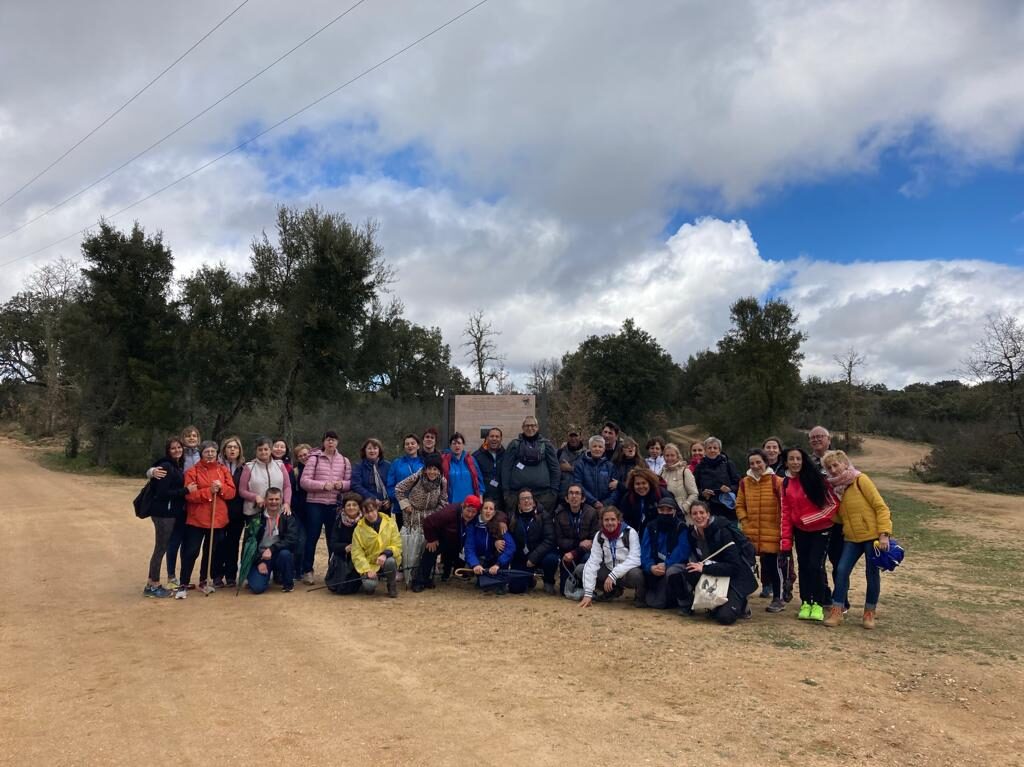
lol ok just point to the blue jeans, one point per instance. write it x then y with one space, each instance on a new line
317 515
851 553
281 566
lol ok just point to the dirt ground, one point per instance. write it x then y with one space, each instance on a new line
92 673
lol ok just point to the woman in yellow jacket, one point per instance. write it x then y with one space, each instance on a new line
759 512
866 523
376 548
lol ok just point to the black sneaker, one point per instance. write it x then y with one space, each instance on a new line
417 588
287 589
766 592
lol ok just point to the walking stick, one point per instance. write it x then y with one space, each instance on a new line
209 561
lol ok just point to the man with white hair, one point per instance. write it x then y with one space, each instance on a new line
821 442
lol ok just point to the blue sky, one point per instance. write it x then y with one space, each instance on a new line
977 214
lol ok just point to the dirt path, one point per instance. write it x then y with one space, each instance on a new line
91 673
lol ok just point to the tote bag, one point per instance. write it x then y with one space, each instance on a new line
712 590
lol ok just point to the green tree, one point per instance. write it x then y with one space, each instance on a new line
317 285
407 360
629 373
227 344
753 385
120 342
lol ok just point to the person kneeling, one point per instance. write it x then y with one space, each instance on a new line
277 540
341 577
663 556
445 531
489 550
715 548
377 549
614 561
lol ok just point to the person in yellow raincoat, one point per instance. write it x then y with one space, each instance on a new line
376 549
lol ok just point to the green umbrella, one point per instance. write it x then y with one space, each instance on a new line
249 547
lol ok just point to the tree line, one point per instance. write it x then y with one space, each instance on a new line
115 352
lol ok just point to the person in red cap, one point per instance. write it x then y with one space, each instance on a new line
445 531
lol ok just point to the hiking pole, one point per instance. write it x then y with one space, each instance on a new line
209 561
339 583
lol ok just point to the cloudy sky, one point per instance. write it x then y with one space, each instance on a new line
561 165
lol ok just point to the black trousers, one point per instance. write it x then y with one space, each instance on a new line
197 539
811 551
771 574
449 551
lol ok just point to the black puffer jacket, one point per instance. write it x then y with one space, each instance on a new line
712 474
729 562
534 535
168 493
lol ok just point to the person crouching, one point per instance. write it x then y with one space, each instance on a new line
377 549
614 562
278 537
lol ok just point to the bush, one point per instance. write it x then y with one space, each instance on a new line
976 456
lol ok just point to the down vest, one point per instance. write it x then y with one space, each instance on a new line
759 511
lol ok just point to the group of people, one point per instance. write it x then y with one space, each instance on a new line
594 513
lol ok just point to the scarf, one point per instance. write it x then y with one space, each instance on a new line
343 518
425 496
844 480
378 483
693 463
614 535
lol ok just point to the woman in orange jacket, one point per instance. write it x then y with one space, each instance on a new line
209 486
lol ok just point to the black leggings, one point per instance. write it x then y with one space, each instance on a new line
811 550
197 538
771 574
163 526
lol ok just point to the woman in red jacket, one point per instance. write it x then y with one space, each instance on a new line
807 510
212 486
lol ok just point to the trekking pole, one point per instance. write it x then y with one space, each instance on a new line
339 583
209 561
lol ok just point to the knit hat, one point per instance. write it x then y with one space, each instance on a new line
472 500
432 460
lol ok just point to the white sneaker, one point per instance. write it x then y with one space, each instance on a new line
308 578
181 593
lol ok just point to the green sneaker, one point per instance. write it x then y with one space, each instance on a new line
805 611
817 612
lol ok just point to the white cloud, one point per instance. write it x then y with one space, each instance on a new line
555 138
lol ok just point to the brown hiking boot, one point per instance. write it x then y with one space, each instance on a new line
834 617
869 619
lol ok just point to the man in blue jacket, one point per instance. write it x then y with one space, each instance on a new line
488 460
663 555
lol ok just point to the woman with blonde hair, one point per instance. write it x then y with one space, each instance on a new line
679 479
867 523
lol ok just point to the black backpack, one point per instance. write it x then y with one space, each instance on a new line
144 500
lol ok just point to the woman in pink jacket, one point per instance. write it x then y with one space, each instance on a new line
327 474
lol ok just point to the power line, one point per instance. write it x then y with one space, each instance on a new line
262 133
185 124
118 111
